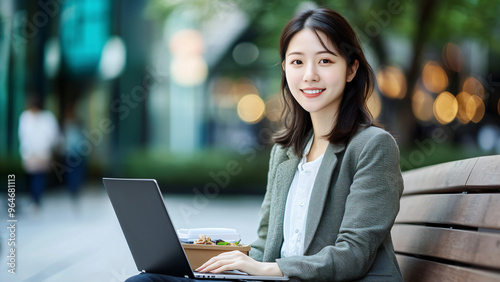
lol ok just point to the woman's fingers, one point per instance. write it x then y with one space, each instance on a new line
207 263
216 265
223 259
210 262
238 261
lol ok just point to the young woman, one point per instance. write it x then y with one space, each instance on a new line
334 180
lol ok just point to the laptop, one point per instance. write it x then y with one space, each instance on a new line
150 234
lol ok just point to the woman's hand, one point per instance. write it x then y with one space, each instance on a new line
239 261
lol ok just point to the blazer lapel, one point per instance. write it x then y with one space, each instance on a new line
320 191
283 179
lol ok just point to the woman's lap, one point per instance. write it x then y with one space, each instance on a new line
153 277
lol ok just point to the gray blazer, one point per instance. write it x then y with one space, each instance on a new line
353 204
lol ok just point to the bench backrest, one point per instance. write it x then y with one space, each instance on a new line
448 228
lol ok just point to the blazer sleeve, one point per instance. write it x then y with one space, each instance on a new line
370 210
257 250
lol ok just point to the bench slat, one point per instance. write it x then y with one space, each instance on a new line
486 173
419 270
475 210
449 244
445 177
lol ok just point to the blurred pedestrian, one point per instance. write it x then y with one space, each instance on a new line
75 161
38 137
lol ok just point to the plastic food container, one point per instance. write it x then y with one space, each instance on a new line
191 235
199 254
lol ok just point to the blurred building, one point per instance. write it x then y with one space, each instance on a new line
182 84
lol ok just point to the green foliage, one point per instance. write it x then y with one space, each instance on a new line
460 19
11 165
205 10
183 172
416 157
467 19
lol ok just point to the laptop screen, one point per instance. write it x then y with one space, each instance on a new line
149 232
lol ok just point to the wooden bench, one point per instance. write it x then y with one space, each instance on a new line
448 228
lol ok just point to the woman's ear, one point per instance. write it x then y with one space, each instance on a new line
352 71
283 65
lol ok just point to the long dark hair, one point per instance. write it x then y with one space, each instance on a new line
353 111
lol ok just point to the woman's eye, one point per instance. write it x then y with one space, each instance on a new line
325 61
296 62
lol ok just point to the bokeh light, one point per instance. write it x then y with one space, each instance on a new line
421 103
462 99
52 57
473 86
374 105
251 108
113 58
445 107
488 137
186 42
453 57
434 77
188 67
391 82
274 107
245 53
189 70
475 109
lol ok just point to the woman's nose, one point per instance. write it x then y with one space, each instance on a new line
311 73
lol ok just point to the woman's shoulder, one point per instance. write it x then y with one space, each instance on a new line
372 146
370 131
371 135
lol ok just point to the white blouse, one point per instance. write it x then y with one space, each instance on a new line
297 204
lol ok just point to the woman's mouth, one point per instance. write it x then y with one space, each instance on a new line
312 92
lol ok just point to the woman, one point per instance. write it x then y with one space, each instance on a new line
334 180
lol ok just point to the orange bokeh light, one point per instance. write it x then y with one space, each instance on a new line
421 104
445 107
473 86
434 77
453 57
463 98
475 109
374 105
251 108
391 82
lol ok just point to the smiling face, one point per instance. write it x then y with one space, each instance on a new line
316 76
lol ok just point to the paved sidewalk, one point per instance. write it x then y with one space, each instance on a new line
82 240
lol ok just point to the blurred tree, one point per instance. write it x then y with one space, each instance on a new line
424 24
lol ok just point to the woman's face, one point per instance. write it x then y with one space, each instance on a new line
315 76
